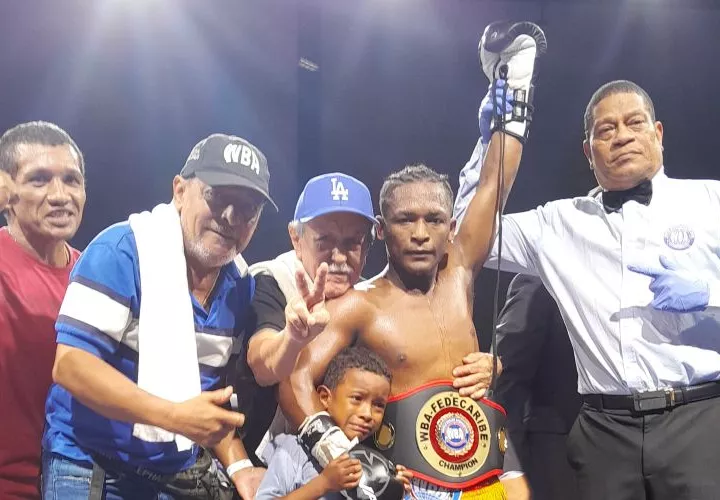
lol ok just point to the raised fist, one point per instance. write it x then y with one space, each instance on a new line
507 52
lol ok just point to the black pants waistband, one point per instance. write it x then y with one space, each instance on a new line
654 400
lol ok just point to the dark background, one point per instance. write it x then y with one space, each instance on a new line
138 82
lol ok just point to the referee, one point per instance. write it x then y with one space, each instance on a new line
629 269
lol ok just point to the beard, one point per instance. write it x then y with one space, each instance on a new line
195 249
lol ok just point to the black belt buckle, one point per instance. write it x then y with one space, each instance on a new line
655 400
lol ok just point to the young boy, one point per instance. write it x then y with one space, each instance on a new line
354 392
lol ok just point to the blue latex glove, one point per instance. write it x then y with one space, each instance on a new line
675 289
486 108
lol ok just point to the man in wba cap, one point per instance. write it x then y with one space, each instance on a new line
154 308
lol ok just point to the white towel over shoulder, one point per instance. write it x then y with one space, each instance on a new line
168 363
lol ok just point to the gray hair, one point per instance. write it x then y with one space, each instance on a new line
298 227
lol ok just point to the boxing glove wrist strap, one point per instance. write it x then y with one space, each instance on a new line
517 122
323 439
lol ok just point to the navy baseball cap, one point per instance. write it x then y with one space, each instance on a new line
335 192
228 160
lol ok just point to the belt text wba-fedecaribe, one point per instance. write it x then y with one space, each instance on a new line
444 438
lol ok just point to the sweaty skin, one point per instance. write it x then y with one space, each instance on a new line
417 315
422 338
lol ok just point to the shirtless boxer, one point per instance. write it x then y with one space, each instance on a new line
417 315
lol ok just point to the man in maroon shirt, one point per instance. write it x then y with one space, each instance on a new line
42 195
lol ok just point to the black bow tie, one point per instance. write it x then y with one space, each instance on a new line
614 200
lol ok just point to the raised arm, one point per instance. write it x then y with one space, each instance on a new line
508 56
521 232
470 177
470 174
476 234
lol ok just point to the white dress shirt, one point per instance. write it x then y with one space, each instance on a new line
581 253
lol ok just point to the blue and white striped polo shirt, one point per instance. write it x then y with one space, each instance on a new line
106 285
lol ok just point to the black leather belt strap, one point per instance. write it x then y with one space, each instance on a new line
655 400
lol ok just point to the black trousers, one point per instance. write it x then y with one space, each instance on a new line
548 470
661 455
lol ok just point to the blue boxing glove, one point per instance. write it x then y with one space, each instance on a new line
485 114
675 289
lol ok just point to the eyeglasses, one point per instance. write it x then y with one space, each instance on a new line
243 206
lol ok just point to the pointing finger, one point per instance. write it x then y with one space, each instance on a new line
653 272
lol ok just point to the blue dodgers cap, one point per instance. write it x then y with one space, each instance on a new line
334 192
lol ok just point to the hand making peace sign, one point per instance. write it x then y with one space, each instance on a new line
305 315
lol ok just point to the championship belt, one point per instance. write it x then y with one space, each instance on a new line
444 438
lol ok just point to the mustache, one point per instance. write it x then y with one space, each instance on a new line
222 229
340 269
